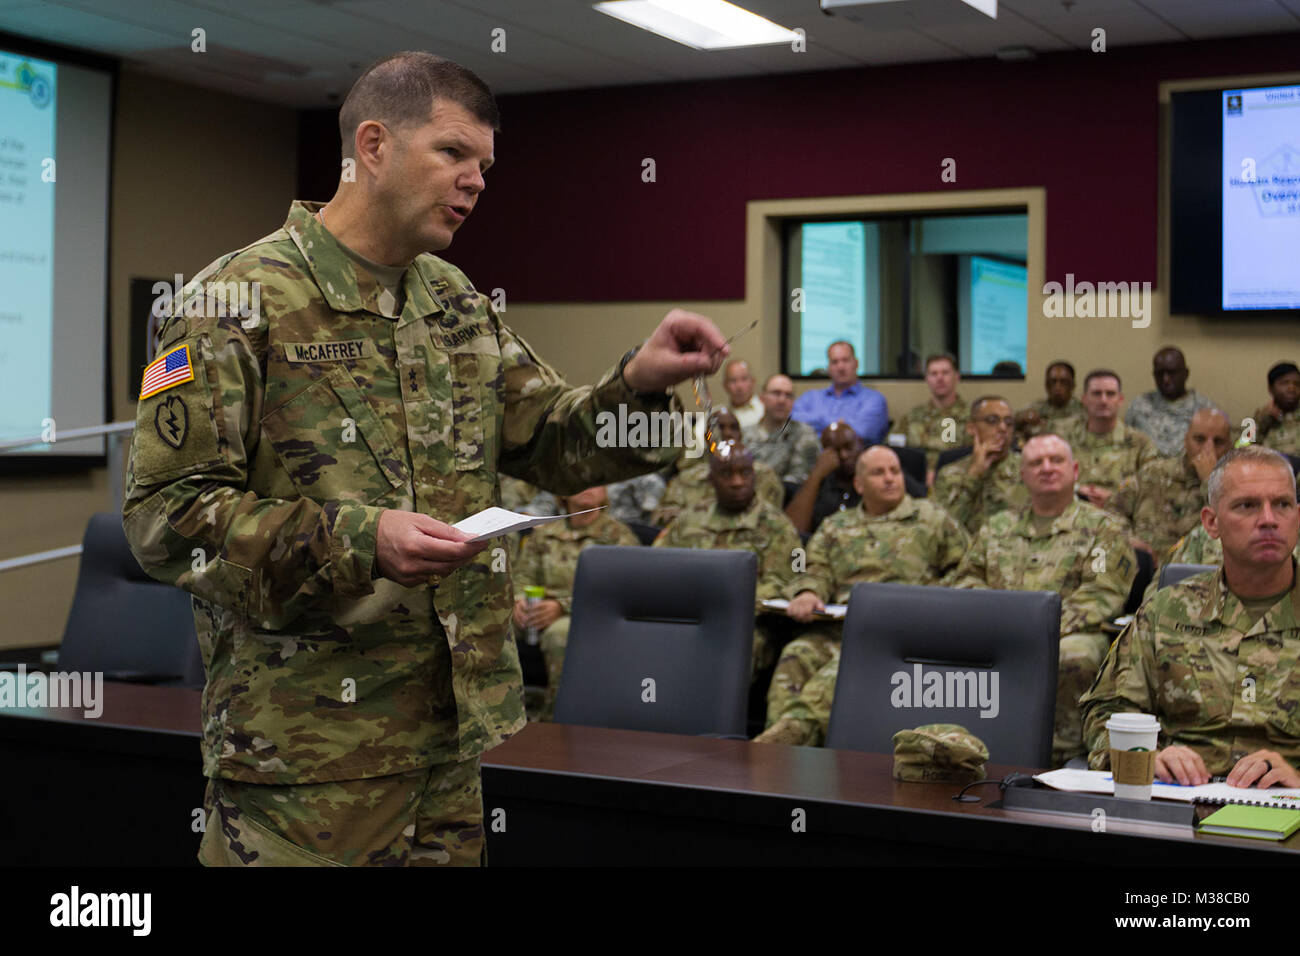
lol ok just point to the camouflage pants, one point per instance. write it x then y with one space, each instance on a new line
1080 660
806 717
554 640
432 816
802 658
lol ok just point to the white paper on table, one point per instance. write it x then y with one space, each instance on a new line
836 611
1100 781
494 522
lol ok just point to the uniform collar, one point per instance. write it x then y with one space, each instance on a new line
904 510
344 285
1224 606
726 520
1065 521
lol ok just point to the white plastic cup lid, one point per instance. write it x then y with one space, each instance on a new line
1133 723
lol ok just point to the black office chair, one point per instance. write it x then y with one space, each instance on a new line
645 533
951 455
1146 569
912 461
1171 574
123 622
660 639
897 633
1295 463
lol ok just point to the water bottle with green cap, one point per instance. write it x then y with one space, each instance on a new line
533 594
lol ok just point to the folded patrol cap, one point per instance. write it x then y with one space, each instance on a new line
947 753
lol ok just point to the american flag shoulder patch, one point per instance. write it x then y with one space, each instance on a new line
170 368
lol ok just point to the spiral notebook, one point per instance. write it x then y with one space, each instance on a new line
1100 781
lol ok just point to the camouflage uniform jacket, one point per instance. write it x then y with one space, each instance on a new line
1283 436
1083 555
258 487
924 427
916 543
1161 502
973 501
1107 460
1217 683
691 486
634 501
762 528
549 556
1053 416
790 452
1163 421
1195 547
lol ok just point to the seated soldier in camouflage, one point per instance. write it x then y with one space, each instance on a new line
739 519
1163 500
829 486
933 426
1106 450
1278 423
1064 545
1045 416
1216 657
691 485
890 537
549 558
975 488
634 501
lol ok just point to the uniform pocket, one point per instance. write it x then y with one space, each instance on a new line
332 444
1179 663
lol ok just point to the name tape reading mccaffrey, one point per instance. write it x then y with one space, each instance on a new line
346 350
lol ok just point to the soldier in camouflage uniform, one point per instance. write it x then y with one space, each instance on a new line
889 537
1063 545
1048 416
1164 413
298 469
1278 422
1216 657
549 559
634 501
975 488
944 414
1163 500
692 486
1107 452
740 520
788 447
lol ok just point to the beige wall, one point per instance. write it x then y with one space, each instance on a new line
195 174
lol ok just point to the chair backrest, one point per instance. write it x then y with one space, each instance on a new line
930 655
645 533
1171 574
912 461
659 639
122 621
1146 569
951 455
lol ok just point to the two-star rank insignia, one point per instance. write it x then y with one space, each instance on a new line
171 419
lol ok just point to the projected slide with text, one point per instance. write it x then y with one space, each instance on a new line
834 284
999 304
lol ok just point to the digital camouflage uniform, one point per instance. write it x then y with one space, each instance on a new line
1219 683
761 529
634 501
1283 436
972 501
549 559
924 426
791 452
1082 555
1163 421
258 487
692 486
1107 460
1162 502
916 543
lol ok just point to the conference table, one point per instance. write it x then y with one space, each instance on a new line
125 788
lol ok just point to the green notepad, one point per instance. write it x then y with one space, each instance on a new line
1261 823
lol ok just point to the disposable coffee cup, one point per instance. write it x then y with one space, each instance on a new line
1133 739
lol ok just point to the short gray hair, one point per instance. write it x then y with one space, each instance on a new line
1250 454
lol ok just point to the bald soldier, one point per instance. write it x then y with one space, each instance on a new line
691 485
788 447
1106 450
935 425
975 488
549 559
738 519
829 487
1064 545
1163 501
1216 657
890 536
300 468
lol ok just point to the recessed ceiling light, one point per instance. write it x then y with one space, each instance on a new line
700 24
